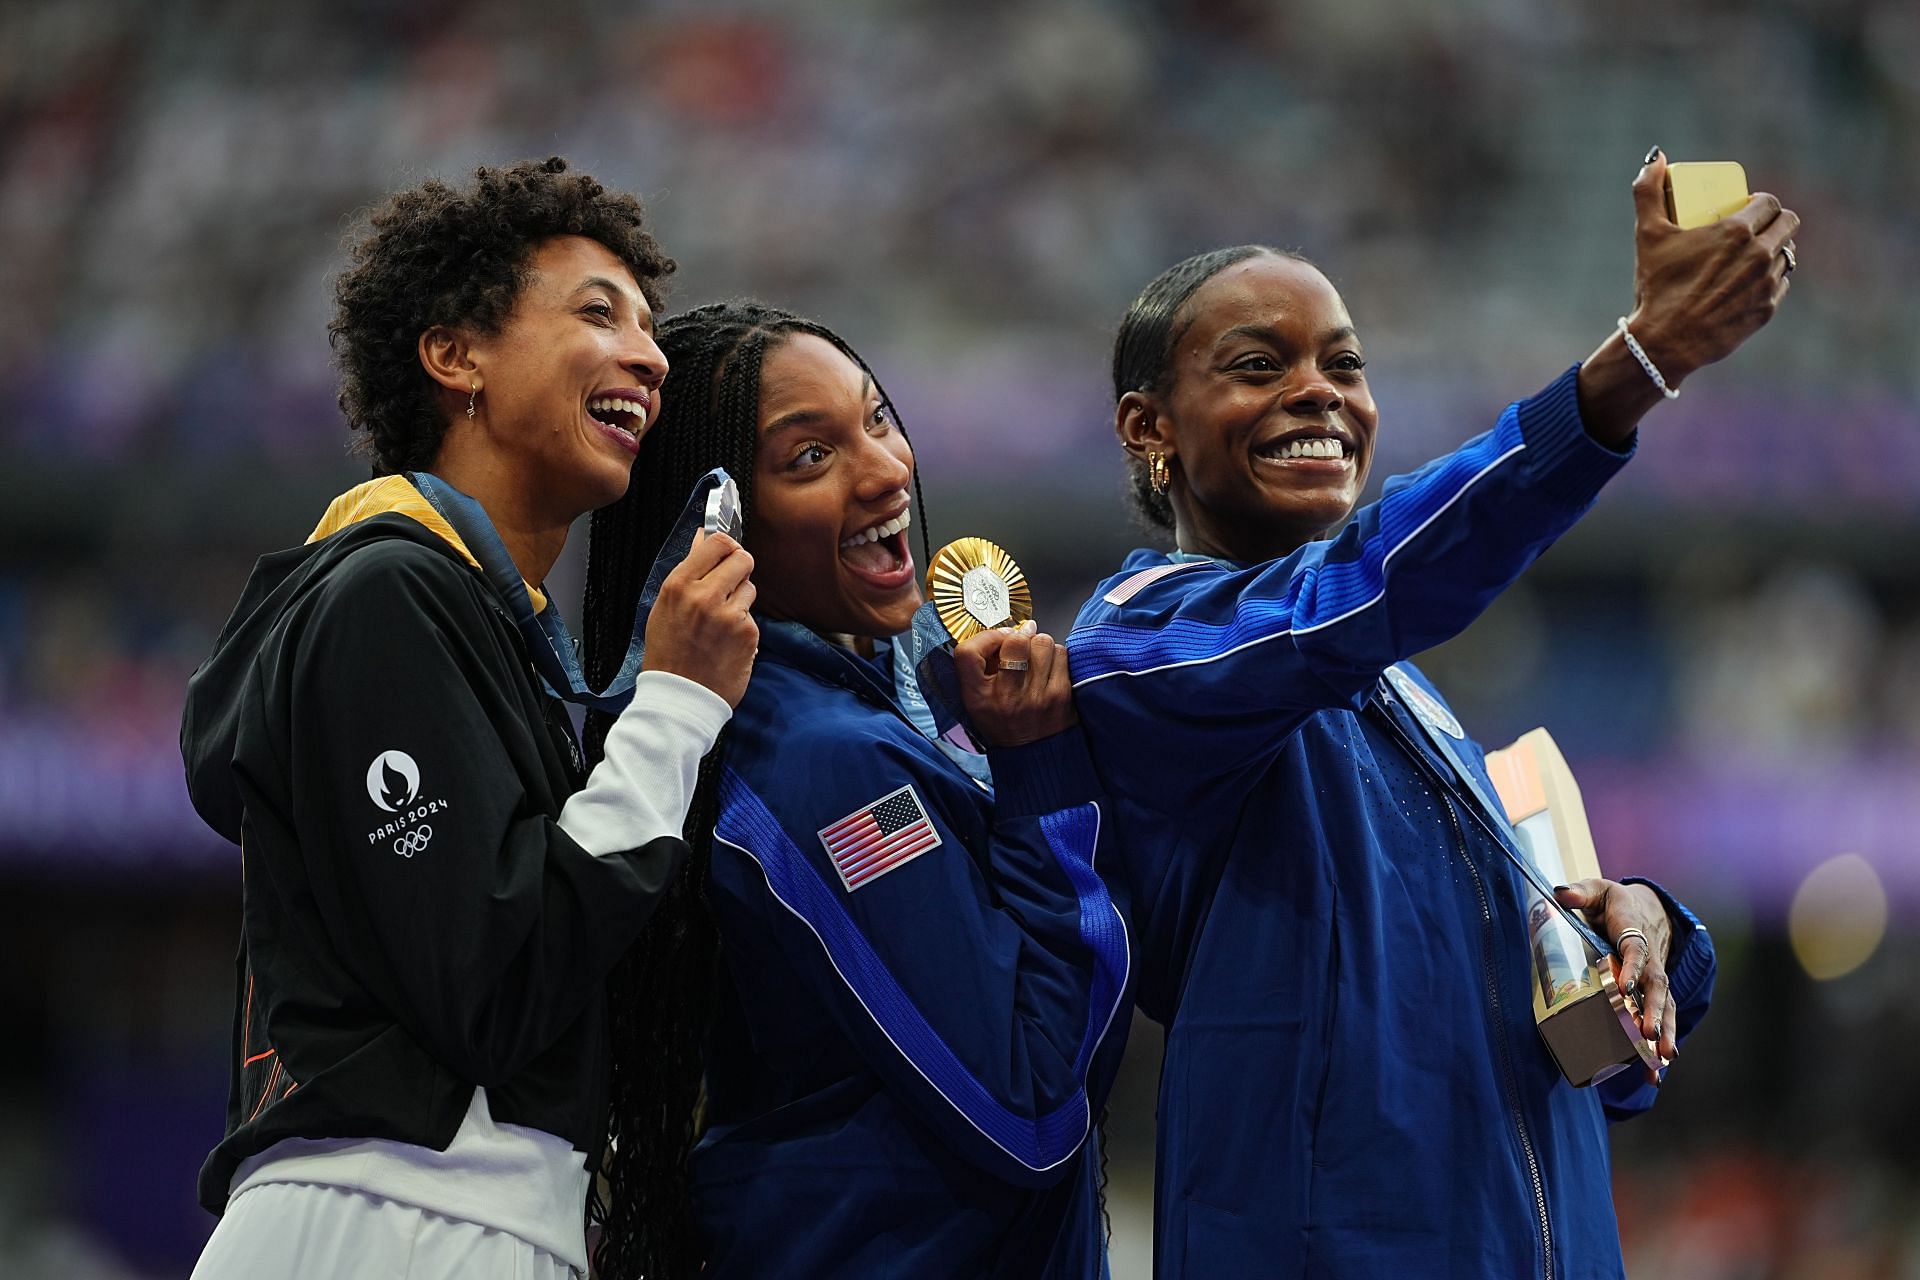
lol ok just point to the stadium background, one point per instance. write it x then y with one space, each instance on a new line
1729 648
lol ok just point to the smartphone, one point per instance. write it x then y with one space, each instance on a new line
723 510
1703 191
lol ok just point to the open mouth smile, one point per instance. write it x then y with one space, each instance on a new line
621 415
878 554
1315 449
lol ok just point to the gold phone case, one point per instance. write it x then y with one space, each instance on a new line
1703 191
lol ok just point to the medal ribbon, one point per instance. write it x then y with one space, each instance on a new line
1491 816
555 656
928 690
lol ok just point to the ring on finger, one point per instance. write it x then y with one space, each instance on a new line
1013 664
1621 941
1786 251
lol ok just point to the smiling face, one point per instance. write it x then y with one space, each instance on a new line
1265 414
832 496
571 379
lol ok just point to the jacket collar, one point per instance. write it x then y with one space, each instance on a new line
396 494
796 645
793 645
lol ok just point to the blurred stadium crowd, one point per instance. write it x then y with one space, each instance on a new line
1729 648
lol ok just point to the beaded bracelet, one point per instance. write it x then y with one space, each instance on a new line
1640 354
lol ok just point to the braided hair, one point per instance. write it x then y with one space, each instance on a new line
1143 350
661 994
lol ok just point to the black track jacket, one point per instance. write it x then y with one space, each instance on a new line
369 731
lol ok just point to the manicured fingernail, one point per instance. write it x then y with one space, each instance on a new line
1561 888
1029 626
1653 154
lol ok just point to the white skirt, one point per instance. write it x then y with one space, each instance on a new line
299 1231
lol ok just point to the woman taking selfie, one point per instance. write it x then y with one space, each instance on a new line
435 888
1328 922
906 984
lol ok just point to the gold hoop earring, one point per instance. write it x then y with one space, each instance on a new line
1159 474
473 393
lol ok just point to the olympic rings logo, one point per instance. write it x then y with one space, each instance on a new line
413 841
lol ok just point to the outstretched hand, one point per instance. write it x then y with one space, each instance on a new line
1699 293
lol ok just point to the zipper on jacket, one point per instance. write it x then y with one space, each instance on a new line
1487 941
1500 1040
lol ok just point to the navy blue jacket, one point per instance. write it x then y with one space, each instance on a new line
906 1074
1325 923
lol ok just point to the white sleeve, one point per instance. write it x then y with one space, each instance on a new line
641 788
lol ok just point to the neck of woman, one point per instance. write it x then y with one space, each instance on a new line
533 536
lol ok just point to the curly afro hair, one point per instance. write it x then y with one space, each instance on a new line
437 256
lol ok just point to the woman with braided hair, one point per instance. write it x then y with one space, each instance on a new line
889 984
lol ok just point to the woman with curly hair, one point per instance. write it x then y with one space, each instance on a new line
435 887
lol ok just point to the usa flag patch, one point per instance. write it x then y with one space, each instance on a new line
1147 577
879 837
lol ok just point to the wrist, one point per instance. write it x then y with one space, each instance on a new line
1617 388
1667 347
1615 392
1045 776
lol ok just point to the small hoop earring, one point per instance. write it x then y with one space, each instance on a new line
1159 474
473 393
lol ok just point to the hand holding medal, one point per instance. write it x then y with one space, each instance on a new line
1011 677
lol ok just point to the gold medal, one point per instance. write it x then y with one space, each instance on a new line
975 585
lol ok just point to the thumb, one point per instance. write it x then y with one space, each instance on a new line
1650 194
1579 895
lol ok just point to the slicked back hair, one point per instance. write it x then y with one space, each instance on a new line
661 995
1143 349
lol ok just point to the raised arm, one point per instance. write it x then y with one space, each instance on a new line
443 879
1244 654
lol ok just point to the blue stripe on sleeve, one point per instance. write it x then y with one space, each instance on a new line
1335 590
1068 831
1039 1143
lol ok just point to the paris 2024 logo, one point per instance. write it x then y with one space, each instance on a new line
393 784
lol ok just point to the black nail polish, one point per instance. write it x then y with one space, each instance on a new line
1560 888
1652 153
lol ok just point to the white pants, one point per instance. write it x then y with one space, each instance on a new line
299 1231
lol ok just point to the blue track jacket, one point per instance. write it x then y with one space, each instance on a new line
1353 1084
905 1074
